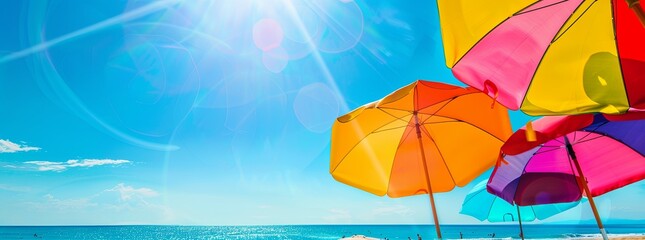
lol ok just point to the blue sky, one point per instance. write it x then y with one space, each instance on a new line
209 112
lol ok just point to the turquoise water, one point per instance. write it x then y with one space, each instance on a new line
310 232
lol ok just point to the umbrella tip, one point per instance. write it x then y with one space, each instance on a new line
530 133
490 89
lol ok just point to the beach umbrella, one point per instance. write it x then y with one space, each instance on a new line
424 138
549 57
571 156
487 207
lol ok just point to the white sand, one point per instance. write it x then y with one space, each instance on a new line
621 238
362 237
359 237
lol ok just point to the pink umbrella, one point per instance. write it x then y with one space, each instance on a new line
571 156
549 57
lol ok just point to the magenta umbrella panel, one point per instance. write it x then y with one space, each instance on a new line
610 154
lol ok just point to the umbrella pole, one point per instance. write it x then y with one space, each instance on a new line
583 181
519 219
425 167
636 7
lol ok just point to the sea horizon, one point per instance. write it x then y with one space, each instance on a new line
307 232
582 223
321 119
317 224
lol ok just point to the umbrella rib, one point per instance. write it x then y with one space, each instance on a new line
488 33
545 146
473 125
555 148
425 121
449 172
425 131
392 167
540 8
469 197
447 121
569 157
490 208
575 135
449 101
359 142
624 144
546 151
544 54
444 105
399 118
620 60
587 140
387 129
574 21
457 120
599 125
436 111
415 97
592 130
473 196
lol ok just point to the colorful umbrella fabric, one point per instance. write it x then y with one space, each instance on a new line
484 206
608 152
423 138
487 207
549 57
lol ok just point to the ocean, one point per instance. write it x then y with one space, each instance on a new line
534 231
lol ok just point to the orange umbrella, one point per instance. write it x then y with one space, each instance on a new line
423 138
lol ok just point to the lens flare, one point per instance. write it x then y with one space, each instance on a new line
267 34
275 60
316 107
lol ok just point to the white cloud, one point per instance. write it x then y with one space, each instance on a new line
69 203
120 197
129 192
7 146
11 166
48 166
11 188
95 162
62 166
50 202
143 206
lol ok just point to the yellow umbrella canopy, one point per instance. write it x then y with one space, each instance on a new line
549 57
423 138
